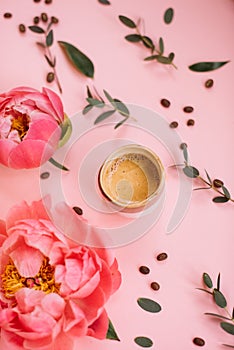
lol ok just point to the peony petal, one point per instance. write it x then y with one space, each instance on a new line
30 154
27 299
88 287
54 305
20 90
6 147
56 103
116 277
73 273
27 260
100 327
74 317
45 130
45 343
10 341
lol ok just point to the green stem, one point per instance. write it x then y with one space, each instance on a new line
58 165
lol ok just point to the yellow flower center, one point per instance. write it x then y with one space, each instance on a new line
20 123
44 280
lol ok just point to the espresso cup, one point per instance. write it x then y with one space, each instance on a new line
132 177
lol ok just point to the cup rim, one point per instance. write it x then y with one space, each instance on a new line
155 160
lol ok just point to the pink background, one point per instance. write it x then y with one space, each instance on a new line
201 30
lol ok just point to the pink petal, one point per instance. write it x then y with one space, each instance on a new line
54 305
45 130
27 260
88 287
56 103
99 328
45 343
30 154
6 147
116 277
27 299
21 90
10 341
63 342
73 273
74 317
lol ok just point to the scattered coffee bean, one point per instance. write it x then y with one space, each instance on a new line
209 83
7 15
190 122
36 20
45 175
162 256
48 2
183 145
144 269
199 341
173 125
54 19
36 0
78 210
218 183
44 17
155 286
165 103
188 109
22 28
50 77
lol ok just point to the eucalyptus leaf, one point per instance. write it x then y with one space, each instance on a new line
120 123
109 98
151 58
168 15
87 109
206 66
104 116
50 38
36 29
104 2
207 280
161 45
149 305
185 153
216 315
89 94
227 327
127 21
220 199
50 63
80 61
163 59
171 56
226 192
58 165
190 171
95 102
233 313
144 342
133 38
111 332
66 127
147 42
121 107
208 177
218 282
219 298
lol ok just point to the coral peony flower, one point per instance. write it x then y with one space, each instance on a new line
51 289
29 132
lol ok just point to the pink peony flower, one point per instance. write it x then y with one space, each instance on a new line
51 289
29 132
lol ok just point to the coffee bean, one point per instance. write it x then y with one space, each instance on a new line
199 341
155 286
183 145
209 83
45 175
36 20
50 77
144 269
54 19
188 109
162 256
173 125
36 0
44 17
48 2
165 103
22 28
190 122
218 183
7 15
78 210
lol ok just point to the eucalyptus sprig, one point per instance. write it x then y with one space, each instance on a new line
215 185
220 301
157 53
114 105
46 44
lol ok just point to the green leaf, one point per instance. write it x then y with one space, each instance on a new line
220 199
190 171
161 45
207 280
104 116
151 58
36 29
216 315
87 109
58 165
206 66
147 42
104 2
109 98
95 102
227 327
111 332
50 63
163 59
149 305
226 192
81 62
127 21
66 127
171 56
133 38
185 153
121 107
208 177
218 282
89 94
168 15
144 342
233 313
120 123
219 298
50 38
